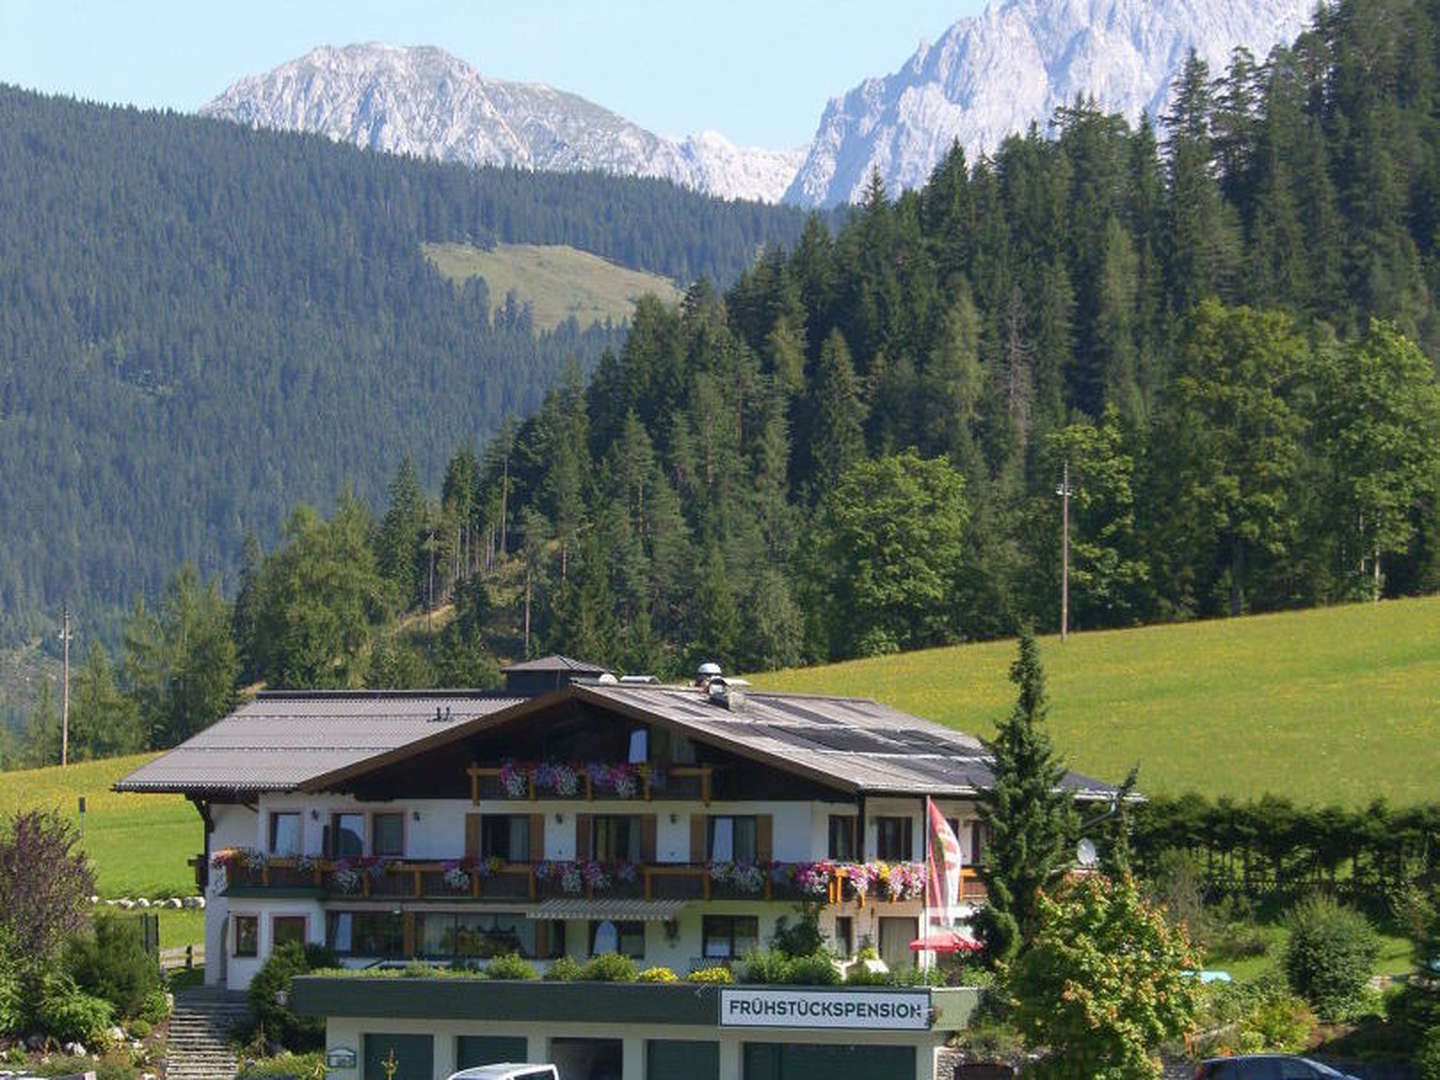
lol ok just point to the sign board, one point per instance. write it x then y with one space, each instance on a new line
877 1010
340 1057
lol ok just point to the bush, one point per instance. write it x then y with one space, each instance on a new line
801 939
286 1066
817 969
1330 955
273 980
609 967
717 975
12 999
68 1014
140 1029
511 966
110 962
1257 1017
765 966
657 975
860 975
156 1007
1427 1059
563 969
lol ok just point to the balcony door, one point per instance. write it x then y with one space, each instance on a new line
895 937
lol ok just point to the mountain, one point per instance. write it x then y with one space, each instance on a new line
423 101
996 74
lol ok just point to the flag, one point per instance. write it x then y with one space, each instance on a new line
942 871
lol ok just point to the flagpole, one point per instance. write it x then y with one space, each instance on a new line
925 918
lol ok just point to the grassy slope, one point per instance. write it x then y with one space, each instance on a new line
1337 705
137 844
557 281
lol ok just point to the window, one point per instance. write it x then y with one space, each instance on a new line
842 836
285 929
505 837
893 841
731 839
730 936
247 935
978 840
845 935
626 938
615 838
285 833
347 835
387 836
365 933
478 936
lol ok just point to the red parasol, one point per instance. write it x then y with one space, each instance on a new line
945 941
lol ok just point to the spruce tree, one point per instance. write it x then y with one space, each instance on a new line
1029 817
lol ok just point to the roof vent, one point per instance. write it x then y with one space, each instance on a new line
607 679
728 694
638 680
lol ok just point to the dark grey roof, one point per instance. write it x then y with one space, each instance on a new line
282 739
556 662
311 741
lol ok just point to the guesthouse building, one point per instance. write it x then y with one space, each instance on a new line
574 814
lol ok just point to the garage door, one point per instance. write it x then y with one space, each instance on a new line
693 1060
473 1050
794 1061
414 1056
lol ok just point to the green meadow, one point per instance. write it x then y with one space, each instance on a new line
1333 705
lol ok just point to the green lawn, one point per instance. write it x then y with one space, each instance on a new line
1336 705
137 844
557 281
1394 959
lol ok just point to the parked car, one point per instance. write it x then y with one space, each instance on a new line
1267 1067
508 1071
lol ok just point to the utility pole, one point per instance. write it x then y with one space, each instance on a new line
1064 492
65 688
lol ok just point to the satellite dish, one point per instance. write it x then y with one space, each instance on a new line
1086 853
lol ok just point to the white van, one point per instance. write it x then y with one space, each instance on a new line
508 1071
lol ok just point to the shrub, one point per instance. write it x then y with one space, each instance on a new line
717 975
1427 1059
269 1000
511 966
1255 1017
563 969
657 975
156 1007
1329 956
765 966
609 967
803 938
286 1066
867 950
817 969
110 962
68 1014
860 975
140 1029
12 998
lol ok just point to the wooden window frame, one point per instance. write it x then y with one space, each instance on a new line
404 834
619 935
278 916
705 936
235 917
907 838
830 837
333 846
711 819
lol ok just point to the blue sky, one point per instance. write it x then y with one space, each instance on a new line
759 72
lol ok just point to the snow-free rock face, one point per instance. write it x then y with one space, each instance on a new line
424 101
993 75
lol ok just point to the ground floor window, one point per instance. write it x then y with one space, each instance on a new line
626 938
399 1056
365 933
445 935
845 935
247 935
730 936
895 937
287 928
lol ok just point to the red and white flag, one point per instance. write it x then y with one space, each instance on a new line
942 871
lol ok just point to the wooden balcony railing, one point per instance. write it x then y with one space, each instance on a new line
642 783
529 882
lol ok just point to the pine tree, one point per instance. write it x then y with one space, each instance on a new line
397 552
1031 820
839 435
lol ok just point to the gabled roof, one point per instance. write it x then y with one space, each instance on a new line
313 742
558 663
284 738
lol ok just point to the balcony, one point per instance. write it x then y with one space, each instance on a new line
590 781
249 872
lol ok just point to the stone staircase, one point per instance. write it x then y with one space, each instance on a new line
200 1027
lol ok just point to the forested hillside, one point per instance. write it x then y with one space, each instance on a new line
1224 323
202 324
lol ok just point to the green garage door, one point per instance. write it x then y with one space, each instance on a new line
473 1050
795 1061
693 1060
414 1056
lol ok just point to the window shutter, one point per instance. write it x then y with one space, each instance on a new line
697 838
582 836
472 836
764 837
537 837
648 830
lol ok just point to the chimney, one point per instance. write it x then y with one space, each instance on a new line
726 695
708 672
